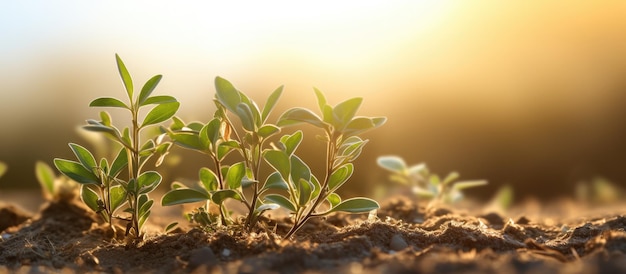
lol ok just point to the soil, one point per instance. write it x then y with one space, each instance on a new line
403 237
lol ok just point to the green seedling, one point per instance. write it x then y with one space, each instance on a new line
217 139
424 184
102 188
3 168
306 194
54 188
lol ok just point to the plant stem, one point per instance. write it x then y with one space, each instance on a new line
331 150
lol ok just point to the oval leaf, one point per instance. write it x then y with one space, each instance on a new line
45 177
279 161
128 82
84 156
392 163
340 176
148 88
270 103
209 179
183 196
268 130
235 174
227 94
160 113
108 102
300 115
221 195
280 200
159 100
89 197
148 181
76 171
118 197
356 205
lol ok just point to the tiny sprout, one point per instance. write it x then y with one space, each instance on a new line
58 188
424 184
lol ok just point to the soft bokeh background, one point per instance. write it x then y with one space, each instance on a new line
527 93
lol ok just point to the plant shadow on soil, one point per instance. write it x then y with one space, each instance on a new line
404 238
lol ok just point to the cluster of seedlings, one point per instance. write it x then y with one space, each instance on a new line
119 188
251 161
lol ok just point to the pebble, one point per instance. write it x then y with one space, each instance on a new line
202 256
398 243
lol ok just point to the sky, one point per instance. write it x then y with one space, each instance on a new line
526 93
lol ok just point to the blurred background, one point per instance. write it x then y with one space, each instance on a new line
526 93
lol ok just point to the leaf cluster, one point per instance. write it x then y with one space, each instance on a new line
291 185
425 184
103 190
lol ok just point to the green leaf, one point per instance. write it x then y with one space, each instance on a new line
183 196
469 184
392 163
188 140
299 170
333 199
160 113
223 149
148 181
171 227
227 94
219 196
235 174
340 176
345 111
148 88
292 142
213 130
128 82
317 187
89 197
271 102
275 181
280 200
321 99
45 176
118 197
305 189
245 114
106 118
267 130
209 179
76 171
452 176
265 207
108 102
84 156
355 205
300 115
120 162
360 125
159 100
279 161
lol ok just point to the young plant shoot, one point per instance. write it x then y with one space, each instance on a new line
343 145
424 184
55 188
217 139
102 188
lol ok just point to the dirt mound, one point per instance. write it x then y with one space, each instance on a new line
403 238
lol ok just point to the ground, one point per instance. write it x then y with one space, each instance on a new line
403 237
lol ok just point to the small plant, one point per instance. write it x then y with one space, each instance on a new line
102 188
218 138
306 194
56 188
424 184
3 168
